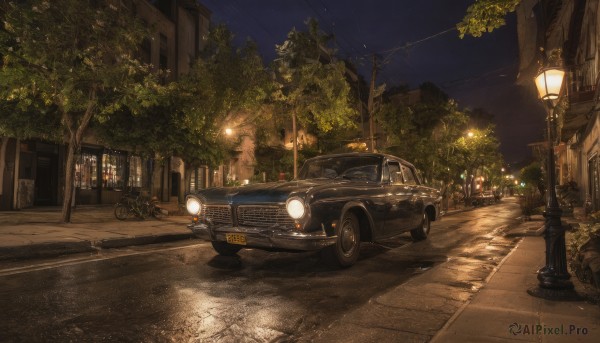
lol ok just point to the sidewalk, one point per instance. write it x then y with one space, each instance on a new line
38 232
503 311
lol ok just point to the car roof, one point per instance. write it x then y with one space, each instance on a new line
364 154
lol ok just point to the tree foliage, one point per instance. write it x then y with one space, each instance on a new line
533 177
485 16
83 68
424 132
312 83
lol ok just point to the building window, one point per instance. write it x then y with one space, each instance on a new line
113 170
86 171
164 52
135 172
197 180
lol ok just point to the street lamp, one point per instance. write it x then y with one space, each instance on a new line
554 279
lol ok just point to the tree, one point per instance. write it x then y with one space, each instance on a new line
419 132
313 87
77 56
485 16
228 87
533 177
480 149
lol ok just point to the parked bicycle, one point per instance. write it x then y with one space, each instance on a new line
138 206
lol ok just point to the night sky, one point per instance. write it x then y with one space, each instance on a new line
418 40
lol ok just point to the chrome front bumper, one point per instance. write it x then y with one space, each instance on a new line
266 238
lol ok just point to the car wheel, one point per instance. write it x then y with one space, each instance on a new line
422 231
121 212
347 247
225 249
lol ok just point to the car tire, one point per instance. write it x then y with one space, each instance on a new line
225 249
346 249
422 231
121 212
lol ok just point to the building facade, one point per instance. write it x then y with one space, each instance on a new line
569 29
34 170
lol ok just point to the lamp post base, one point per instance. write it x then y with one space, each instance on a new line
567 294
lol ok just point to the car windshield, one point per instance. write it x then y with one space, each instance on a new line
363 168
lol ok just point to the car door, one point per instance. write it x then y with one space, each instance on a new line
398 197
415 205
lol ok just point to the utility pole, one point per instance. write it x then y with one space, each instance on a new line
295 144
370 106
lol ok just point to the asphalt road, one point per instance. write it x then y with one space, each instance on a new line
184 292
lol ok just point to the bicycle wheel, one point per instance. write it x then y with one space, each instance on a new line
158 212
121 212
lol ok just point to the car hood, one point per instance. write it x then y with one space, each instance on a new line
272 192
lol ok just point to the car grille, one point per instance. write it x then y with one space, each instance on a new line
217 213
264 216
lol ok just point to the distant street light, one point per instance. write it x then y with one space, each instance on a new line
470 134
228 131
554 279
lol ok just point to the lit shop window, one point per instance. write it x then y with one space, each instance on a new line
86 171
113 170
135 171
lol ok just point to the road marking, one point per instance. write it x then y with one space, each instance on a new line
116 253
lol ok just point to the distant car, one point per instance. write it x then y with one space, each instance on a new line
337 202
483 198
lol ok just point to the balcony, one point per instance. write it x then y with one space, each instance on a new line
582 82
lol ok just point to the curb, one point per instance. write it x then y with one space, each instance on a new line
45 250
112 243
55 249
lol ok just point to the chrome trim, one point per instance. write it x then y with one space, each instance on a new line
263 216
257 237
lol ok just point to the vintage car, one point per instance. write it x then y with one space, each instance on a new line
337 202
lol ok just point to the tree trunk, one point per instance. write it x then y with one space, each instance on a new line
15 204
75 137
2 162
69 169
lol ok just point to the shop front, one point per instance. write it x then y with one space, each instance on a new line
103 175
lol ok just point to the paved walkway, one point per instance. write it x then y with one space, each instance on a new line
501 311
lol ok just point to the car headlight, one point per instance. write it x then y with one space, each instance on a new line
193 206
295 208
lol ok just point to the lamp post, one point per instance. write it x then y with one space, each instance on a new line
554 279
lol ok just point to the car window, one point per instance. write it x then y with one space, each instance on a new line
409 177
364 173
395 173
358 167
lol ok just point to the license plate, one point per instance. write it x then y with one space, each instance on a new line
235 238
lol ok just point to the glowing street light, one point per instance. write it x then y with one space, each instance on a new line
549 82
228 131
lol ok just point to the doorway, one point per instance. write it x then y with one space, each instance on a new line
175 182
46 179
